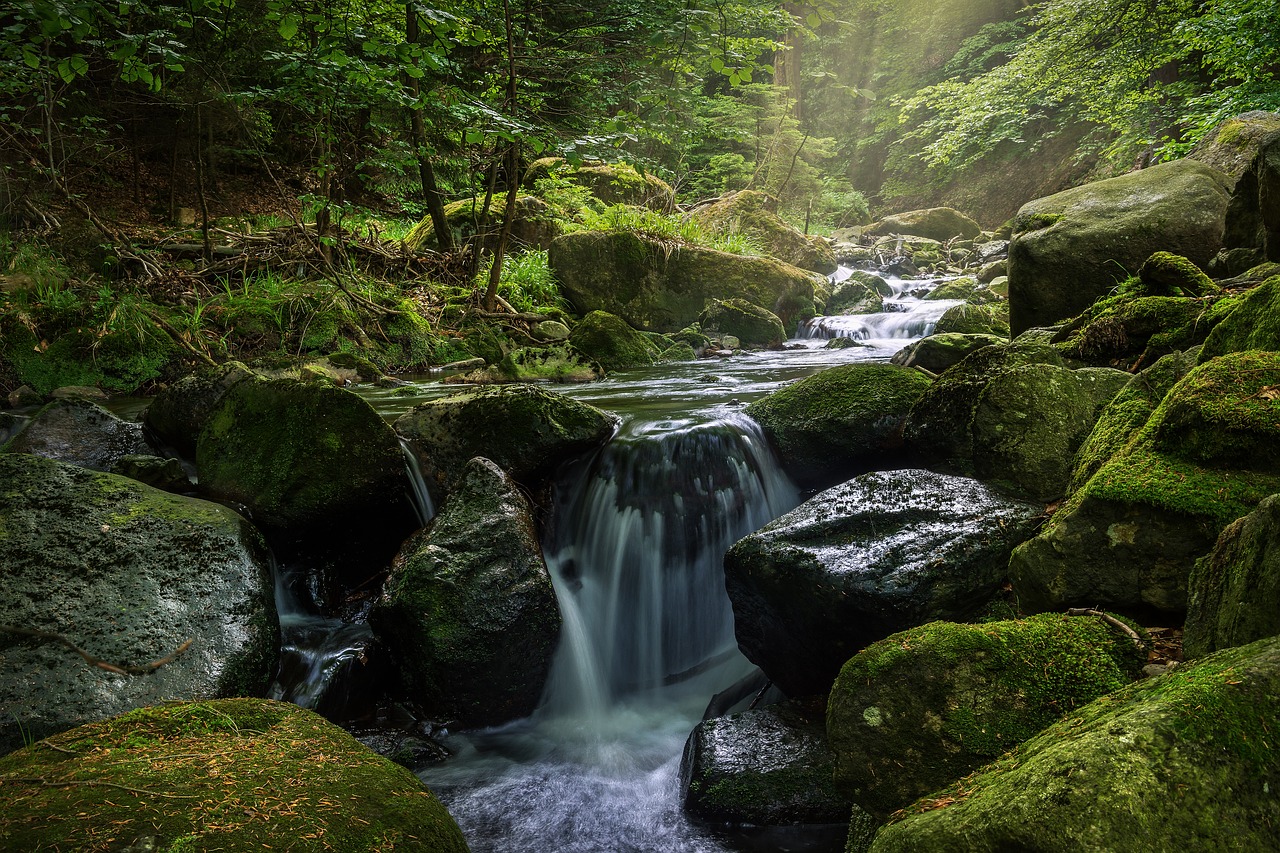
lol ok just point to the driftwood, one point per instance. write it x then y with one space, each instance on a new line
123 669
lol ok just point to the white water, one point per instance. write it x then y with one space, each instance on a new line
635 553
906 316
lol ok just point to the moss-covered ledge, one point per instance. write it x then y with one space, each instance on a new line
233 774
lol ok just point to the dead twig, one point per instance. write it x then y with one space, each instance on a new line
145 669
87 783
1110 620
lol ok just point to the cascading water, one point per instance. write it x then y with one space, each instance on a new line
635 552
906 316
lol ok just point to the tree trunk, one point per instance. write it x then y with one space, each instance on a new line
427 174
513 170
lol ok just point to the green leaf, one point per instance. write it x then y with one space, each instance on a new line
717 64
474 137
30 58
814 20
288 27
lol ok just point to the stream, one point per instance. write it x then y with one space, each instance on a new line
634 545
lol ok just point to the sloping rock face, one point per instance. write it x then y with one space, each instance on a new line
130 574
936 353
525 430
1247 149
1254 323
180 411
664 290
469 612
754 213
1234 595
1185 761
300 454
1072 247
920 709
936 223
766 767
265 775
1128 538
881 553
839 421
1126 331
81 433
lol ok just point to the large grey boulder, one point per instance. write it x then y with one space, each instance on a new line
81 433
1185 761
468 611
1247 149
935 223
881 553
1234 591
129 574
301 455
526 430
1072 247
663 289
922 708
765 767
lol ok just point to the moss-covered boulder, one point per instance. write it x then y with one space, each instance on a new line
936 223
178 413
860 293
764 767
234 774
535 224
559 364
754 214
131 575
526 430
663 289
1072 247
970 319
79 432
611 342
1253 323
922 708
1167 274
936 353
610 183
1247 149
301 454
881 553
468 611
840 421
967 288
1030 420
1185 761
1127 331
1234 591
1128 538
752 325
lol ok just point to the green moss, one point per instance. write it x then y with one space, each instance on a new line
1124 327
1167 274
1253 324
972 319
230 774
612 343
752 325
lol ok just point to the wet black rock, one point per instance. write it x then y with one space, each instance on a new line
81 433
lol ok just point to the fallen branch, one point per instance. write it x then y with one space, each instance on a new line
70 783
1110 620
145 669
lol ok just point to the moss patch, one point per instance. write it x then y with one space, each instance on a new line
234 774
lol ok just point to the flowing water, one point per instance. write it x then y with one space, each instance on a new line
634 545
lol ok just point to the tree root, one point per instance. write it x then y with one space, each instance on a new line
145 669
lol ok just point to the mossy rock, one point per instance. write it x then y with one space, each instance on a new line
1167 274
1126 414
1029 421
922 708
765 767
1128 538
300 454
79 432
936 353
1126 330
860 293
975 320
1184 761
939 427
754 214
234 774
131 574
610 183
468 611
178 413
936 223
534 223
678 352
1234 591
558 364
1073 247
119 361
752 325
527 430
966 288
831 424
611 342
1254 324
661 288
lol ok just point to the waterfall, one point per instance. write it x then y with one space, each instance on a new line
422 503
636 558
905 316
